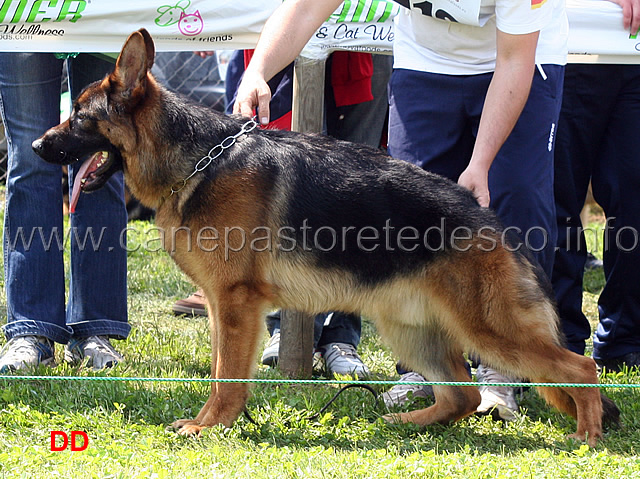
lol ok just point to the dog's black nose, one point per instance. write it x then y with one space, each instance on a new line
38 146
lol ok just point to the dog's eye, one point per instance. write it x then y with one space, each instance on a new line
79 119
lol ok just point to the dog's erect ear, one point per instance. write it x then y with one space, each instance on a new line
136 59
149 46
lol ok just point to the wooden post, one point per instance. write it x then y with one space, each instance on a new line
307 111
295 358
296 329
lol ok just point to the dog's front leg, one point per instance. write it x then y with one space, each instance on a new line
213 333
237 329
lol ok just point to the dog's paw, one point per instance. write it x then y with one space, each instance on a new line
188 427
191 430
180 423
590 439
395 418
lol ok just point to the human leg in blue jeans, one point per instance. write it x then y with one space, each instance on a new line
37 314
433 123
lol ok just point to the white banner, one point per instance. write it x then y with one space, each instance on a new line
358 25
595 27
361 25
103 25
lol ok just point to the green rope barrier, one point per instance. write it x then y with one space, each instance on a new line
306 381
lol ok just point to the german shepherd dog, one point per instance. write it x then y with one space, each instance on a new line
308 223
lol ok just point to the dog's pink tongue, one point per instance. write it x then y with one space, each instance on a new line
77 184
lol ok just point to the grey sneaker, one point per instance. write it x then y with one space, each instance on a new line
271 351
400 394
97 351
342 358
24 352
499 401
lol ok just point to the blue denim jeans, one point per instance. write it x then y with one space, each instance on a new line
33 222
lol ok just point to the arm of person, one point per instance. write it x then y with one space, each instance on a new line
506 97
283 37
630 14
204 54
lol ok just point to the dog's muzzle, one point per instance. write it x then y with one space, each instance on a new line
52 157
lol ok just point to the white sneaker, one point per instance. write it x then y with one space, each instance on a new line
400 394
498 401
342 358
271 351
96 350
24 352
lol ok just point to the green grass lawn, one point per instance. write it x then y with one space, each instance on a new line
126 421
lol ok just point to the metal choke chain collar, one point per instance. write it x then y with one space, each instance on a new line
214 153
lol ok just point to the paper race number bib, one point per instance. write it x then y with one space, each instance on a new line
459 11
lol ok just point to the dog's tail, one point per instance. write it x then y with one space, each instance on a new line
562 401
559 399
610 412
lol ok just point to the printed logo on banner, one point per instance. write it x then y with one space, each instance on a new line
16 11
364 11
358 25
170 14
189 24
14 14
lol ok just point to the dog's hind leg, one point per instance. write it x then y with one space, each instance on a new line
518 336
538 355
585 404
543 362
508 319
555 364
437 359
237 329
535 353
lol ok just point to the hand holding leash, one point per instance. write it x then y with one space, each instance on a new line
284 35
253 93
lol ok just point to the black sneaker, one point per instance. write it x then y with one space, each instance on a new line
630 360
593 263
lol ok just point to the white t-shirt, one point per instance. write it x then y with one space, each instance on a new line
427 40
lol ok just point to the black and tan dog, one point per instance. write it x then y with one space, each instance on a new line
308 223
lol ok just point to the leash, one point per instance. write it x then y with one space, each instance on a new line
343 389
214 153
326 406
